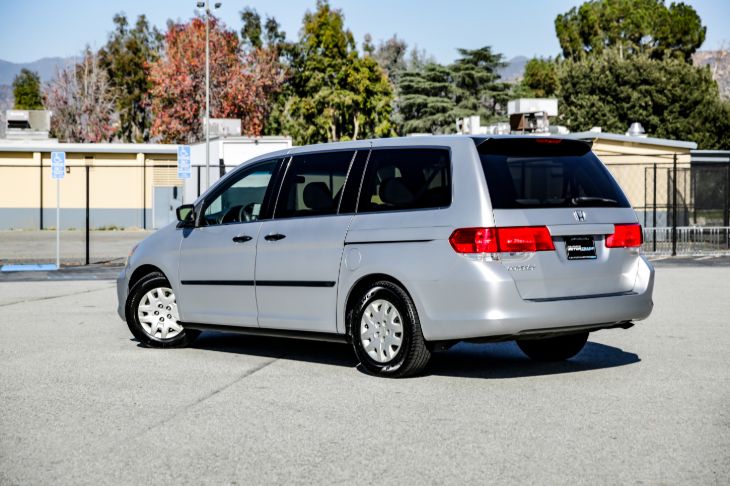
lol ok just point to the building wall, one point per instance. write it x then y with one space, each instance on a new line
632 165
117 182
122 181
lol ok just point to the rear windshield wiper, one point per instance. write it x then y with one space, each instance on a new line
583 200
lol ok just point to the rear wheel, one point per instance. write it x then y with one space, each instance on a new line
556 348
152 314
386 333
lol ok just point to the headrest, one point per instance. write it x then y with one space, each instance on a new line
394 191
317 196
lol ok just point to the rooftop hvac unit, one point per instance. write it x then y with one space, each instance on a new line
224 127
523 106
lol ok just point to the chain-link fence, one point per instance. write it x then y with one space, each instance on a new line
105 208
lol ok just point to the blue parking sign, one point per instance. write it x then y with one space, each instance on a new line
183 161
58 165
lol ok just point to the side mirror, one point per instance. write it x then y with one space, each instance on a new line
185 216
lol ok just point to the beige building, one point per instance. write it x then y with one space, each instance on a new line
643 167
127 185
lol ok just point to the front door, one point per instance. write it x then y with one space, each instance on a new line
299 251
218 256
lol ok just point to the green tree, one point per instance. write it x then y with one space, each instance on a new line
251 30
27 91
333 93
432 97
541 77
127 57
428 100
671 99
630 27
479 90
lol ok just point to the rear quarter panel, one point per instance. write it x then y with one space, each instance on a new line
412 246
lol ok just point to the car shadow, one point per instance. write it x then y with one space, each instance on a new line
466 360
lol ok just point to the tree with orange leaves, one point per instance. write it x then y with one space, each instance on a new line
241 84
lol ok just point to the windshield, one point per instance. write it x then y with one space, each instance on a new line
544 173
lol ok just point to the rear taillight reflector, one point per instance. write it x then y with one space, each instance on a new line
494 240
625 236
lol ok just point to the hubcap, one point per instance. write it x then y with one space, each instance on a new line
381 331
157 312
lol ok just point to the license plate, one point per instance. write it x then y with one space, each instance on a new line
580 247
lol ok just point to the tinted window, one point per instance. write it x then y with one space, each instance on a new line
397 179
537 174
313 184
242 199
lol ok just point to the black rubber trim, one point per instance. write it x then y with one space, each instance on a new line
257 331
262 283
217 282
543 333
581 297
294 283
384 242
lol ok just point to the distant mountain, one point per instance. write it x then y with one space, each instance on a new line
719 62
46 68
514 69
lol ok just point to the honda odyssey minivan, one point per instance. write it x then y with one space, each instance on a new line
399 247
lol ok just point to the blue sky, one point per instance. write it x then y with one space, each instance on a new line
31 29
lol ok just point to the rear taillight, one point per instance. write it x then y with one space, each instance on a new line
625 236
474 240
494 240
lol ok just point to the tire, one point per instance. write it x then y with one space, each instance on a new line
152 325
385 332
556 348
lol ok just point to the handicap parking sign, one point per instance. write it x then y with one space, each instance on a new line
183 161
58 165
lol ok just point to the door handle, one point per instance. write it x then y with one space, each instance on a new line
274 237
241 238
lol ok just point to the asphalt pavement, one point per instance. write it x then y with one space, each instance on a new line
82 403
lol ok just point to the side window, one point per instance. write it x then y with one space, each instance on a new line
313 184
398 179
241 201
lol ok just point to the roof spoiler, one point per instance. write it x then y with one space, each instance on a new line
532 146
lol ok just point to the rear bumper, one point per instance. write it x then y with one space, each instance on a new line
490 306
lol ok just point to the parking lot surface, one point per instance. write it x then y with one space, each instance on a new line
26 246
82 403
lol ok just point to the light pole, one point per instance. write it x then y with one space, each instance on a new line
206 6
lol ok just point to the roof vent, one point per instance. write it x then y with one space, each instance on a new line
636 130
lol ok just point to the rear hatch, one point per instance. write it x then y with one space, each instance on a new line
562 185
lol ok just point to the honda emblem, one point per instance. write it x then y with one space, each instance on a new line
579 215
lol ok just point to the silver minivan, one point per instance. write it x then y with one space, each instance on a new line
399 247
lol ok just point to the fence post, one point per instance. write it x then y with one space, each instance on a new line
674 206
144 193
198 181
726 214
654 212
87 212
40 167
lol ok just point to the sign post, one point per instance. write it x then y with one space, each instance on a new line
58 171
183 161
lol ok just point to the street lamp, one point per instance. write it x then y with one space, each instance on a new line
206 6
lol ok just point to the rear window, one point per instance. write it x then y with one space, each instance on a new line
546 173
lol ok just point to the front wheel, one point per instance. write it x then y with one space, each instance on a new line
386 333
556 348
152 314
